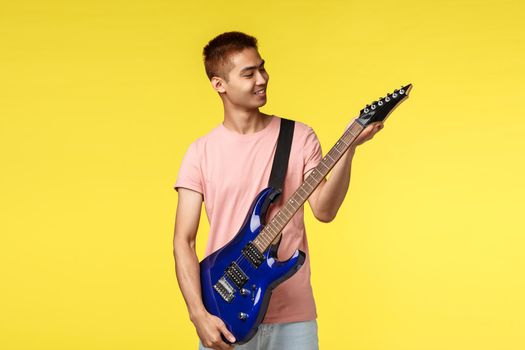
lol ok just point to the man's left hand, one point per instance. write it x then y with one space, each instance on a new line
367 134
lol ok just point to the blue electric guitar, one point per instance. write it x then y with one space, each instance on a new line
237 280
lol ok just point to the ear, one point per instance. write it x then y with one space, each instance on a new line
218 84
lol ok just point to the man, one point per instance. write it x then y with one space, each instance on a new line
227 168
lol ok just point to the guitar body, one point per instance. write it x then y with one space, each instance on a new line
237 282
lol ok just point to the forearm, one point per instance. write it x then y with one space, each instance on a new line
334 190
188 270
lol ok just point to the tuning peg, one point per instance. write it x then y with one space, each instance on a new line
401 92
387 98
394 95
380 102
373 107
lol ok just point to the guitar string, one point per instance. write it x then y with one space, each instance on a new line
241 261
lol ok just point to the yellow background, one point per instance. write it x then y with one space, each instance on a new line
100 99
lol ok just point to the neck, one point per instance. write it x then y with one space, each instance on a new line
292 205
245 121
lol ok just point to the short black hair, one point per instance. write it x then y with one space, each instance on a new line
218 51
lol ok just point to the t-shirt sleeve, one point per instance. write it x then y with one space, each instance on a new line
312 151
190 174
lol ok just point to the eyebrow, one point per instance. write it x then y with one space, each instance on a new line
251 67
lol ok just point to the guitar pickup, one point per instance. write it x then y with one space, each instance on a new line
236 275
253 254
225 289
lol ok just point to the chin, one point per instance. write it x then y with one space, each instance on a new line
261 103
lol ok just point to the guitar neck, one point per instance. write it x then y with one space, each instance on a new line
279 221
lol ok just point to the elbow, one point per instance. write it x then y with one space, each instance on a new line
325 217
180 245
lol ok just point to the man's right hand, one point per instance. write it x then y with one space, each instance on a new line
209 328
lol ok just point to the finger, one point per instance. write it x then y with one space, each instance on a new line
226 332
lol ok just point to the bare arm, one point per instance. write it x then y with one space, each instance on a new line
209 327
327 198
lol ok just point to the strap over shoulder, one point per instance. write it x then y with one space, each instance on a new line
282 154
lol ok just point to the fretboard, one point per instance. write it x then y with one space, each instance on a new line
279 221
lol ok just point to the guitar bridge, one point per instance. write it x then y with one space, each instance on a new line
225 289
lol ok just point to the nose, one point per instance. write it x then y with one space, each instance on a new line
262 78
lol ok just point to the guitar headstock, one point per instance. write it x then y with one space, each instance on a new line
379 110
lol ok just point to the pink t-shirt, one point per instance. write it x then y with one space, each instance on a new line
230 169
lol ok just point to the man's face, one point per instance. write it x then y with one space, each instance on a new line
247 80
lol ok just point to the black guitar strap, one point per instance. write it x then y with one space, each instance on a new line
282 154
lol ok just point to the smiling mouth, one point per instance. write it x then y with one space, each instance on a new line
261 92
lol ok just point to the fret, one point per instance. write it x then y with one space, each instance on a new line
284 221
299 200
257 240
263 239
337 145
271 229
302 189
258 245
266 240
330 156
299 195
277 228
324 171
307 184
305 191
292 204
322 164
313 184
